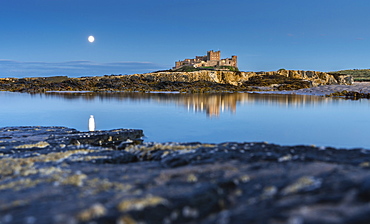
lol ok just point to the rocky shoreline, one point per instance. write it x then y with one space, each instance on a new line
60 175
188 82
355 91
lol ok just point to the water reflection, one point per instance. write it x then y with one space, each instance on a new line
211 103
164 117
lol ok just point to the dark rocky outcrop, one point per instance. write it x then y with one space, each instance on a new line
350 95
197 81
45 177
50 137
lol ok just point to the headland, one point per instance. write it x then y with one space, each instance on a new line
187 82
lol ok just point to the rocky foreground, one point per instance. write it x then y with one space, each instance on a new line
60 175
197 81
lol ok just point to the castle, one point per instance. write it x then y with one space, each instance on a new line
212 59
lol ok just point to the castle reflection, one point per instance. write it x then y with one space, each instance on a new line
211 103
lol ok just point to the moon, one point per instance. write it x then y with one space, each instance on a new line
91 39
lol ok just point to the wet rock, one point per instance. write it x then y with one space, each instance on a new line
46 177
24 139
306 183
351 94
364 191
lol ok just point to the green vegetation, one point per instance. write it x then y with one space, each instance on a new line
187 69
359 75
230 68
182 69
192 69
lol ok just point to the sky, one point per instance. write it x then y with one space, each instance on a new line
49 37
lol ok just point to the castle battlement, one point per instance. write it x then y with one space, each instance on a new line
212 59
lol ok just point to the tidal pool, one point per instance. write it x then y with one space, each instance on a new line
212 118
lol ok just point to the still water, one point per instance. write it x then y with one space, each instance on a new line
213 118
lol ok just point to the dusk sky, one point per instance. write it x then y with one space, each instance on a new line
49 37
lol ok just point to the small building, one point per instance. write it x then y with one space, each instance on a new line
212 59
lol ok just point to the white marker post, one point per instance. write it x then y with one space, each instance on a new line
91 123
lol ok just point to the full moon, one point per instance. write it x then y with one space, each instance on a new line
91 39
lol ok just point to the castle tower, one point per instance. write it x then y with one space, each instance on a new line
234 61
213 55
178 64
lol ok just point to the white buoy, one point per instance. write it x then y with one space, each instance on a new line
91 123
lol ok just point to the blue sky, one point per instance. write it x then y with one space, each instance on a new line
49 37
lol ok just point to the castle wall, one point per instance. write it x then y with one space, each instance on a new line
200 58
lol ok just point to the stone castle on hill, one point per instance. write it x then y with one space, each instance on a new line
212 59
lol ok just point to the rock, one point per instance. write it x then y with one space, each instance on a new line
51 179
364 190
343 79
302 184
237 78
32 138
